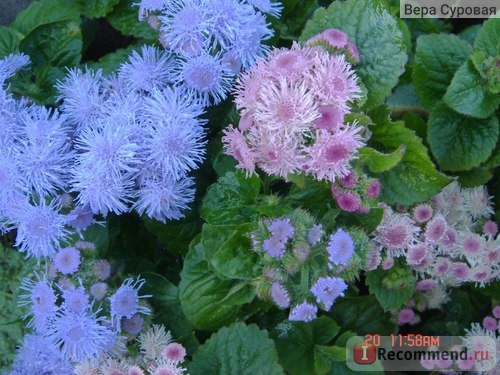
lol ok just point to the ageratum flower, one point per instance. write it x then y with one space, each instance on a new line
292 115
304 312
40 229
80 336
38 355
41 299
83 97
43 151
327 290
124 303
147 71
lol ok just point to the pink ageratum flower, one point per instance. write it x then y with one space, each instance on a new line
293 105
490 323
174 352
422 213
496 312
405 316
396 233
349 202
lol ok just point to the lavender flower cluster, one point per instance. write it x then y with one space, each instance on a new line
446 243
75 313
293 107
212 39
301 270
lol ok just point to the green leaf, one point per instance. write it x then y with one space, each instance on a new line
376 35
468 94
296 348
470 33
125 19
96 8
167 308
475 177
9 41
55 44
231 199
237 350
405 99
437 58
460 143
488 38
362 314
378 162
45 12
235 259
414 179
391 298
201 292
324 356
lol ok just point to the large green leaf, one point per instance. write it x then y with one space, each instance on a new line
324 356
237 350
391 298
96 8
54 44
297 346
201 292
458 142
44 12
437 58
235 258
468 93
9 40
415 178
488 38
125 19
231 200
377 37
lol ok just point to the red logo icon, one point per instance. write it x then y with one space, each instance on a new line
364 354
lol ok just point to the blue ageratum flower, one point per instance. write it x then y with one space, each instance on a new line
163 198
184 27
83 97
43 153
40 229
327 289
39 296
235 30
205 76
149 70
38 355
10 64
124 303
80 336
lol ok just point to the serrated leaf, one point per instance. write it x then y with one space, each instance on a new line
231 199
9 41
201 292
468 94
376 35
296 348
324 356
167 308
488 38
55 44
237 350
415 178
389 299
378 162
45 12
460 143
125 19
96 8
437 58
